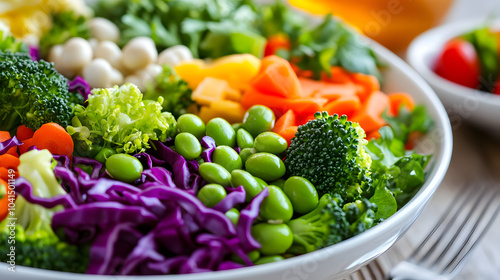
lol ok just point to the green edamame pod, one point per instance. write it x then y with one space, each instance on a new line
187 145
124 167
261 182
221 131
214 173
302 194
250 184
246 153
266 166
275 239
233 214
211 194
276 206
270 142
227 157
258 119
192 124
280 183
104 154
268 259
244 139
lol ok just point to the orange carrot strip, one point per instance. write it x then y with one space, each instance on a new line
9 161
26 145
369 84
4 202
346 105
4 136
399 99
54 138
338 75
283 125
370 114
24 132
373 135
277 78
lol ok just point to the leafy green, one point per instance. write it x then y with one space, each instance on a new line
406 122
384 199
10 43
486 44
118 118
175 92
66 25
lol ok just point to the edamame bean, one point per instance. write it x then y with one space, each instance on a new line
123 167
268 259
276 206
280 183
246 153
253 256
227 157
234 215
266 166
214 173
302 194
275 239
192 124
270 142
187 145
104 154
258 119
236 126
244 139
221 131
211 194
261 182
250 184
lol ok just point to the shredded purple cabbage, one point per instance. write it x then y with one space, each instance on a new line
34 53
208 143
96 166
7 144
81 85
236 196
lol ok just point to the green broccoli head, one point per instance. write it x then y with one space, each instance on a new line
33 93
329 152
360 214
324 226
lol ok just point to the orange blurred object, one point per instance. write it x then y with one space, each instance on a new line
393 23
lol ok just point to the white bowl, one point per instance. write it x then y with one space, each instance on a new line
464 104
348 255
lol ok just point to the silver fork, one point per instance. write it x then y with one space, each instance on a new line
445 250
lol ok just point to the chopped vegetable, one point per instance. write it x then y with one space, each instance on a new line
54 138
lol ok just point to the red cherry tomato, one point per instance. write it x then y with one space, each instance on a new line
459 63
275 43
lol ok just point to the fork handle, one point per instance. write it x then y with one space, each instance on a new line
408 271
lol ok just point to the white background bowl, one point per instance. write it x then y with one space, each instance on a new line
348 255
477 107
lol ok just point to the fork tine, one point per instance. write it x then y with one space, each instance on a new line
450 225
461 258
464 194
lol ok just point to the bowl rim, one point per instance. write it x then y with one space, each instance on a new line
422 197
426 44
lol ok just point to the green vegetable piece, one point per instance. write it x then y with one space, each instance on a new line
302 194
192 124
227 157
274 238
265 166
187 145
280 183
261 182
244 139
270 142
268 259
276 206
104 154
124 167
211 194
253 256
236 126
215 173
233 214
258 119
222 132
250 184
246 153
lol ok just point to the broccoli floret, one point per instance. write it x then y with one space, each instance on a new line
175 92
9 43
42 251
324 226
33 93
360 214
328 151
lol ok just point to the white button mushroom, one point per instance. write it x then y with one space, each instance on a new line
139 53
103 29
175 55
55 54
76 53
136 81
109 51
98 73
116 77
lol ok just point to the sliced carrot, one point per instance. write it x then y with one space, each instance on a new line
399 99
277 78
4 173
305 119
368 85
26 145
373 135
269 60
337 75
9 161
346 105
4 136
276 43
54 138
300 106
24 132
286 120
326 90
4 201
370 114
